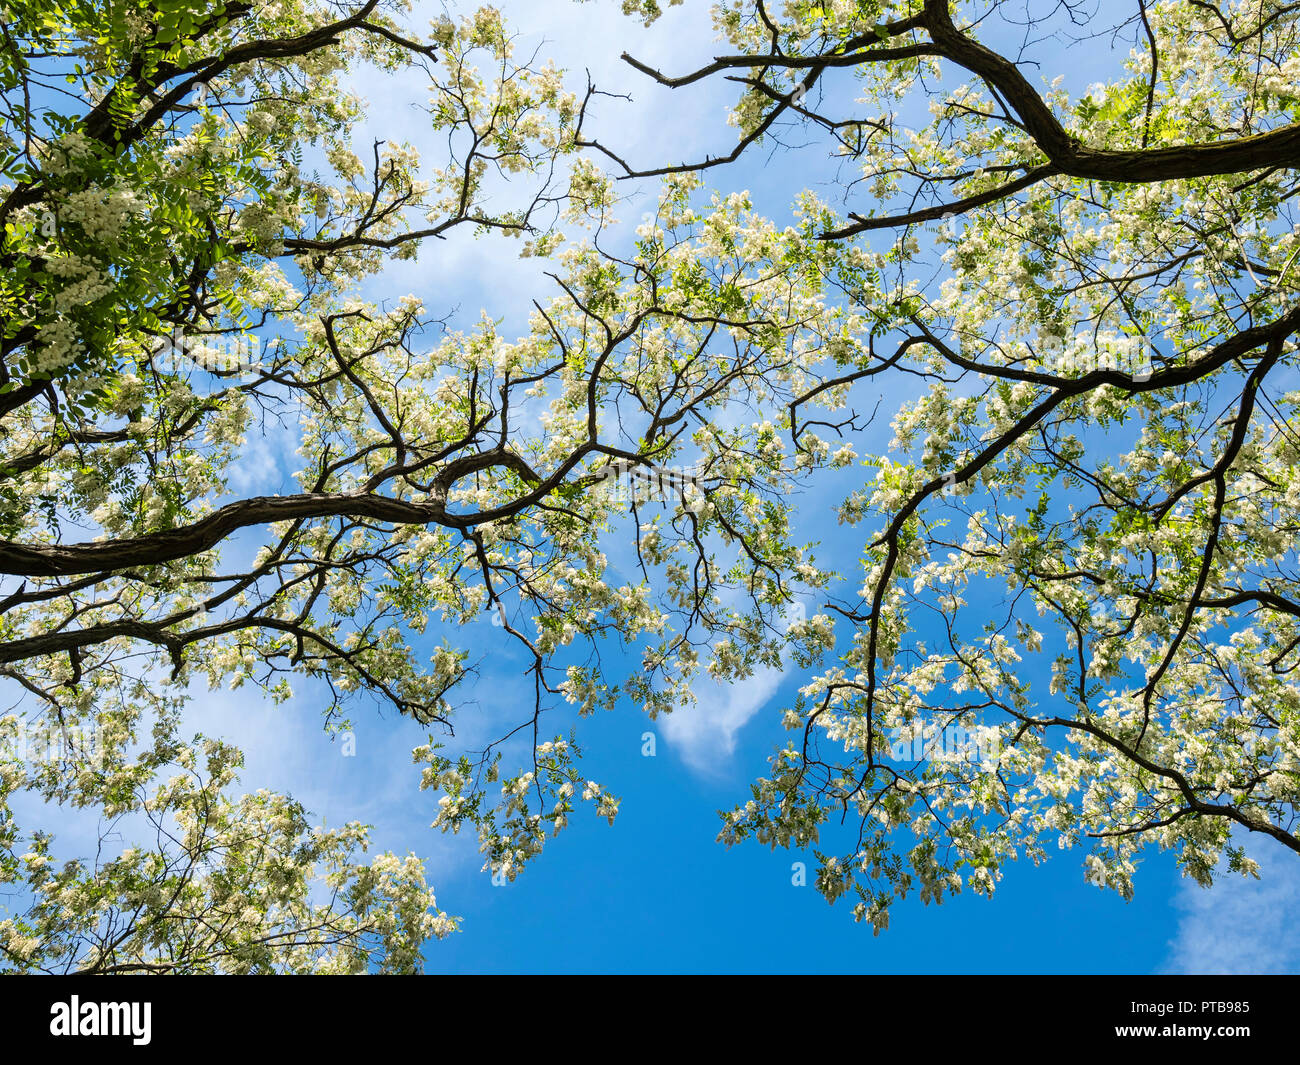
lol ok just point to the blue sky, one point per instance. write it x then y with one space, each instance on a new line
655 892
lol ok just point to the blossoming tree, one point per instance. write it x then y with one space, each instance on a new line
1093 299
199 187
1100 292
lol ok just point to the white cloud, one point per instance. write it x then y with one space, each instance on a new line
656 126
705 734
286 749
1240 925
265 460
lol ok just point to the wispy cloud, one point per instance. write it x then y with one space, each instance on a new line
366 775
1240 925
705 734
270 451
656 125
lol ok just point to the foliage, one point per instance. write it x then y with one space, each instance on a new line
1080 544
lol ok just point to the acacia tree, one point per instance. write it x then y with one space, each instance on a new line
1101 292
200 183
197 187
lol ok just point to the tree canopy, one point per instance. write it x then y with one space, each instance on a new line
1073 618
